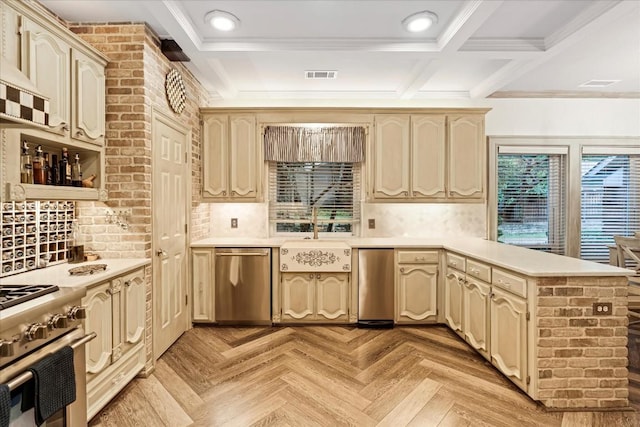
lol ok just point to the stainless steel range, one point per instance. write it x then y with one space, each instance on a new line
36 321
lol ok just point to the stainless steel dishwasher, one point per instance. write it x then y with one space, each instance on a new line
243 286
375 288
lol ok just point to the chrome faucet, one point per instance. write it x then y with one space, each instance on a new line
314 221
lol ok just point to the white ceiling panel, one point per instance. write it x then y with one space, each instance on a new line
478 48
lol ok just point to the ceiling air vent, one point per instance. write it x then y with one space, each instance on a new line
318 74
599 83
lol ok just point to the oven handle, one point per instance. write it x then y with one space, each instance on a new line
27 375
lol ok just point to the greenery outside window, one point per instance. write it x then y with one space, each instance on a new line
333 188
531 200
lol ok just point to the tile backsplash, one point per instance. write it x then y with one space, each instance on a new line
392 219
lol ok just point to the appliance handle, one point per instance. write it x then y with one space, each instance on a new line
242 254
27 375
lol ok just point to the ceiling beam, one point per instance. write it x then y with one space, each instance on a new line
472 15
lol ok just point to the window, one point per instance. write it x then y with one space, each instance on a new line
610 201
332 187
531 199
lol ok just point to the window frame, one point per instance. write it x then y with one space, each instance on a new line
576 146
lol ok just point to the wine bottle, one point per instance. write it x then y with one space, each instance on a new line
47 170
26 167
39 176
55 175
65 168
76 172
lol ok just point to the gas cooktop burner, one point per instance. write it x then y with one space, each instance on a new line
11 295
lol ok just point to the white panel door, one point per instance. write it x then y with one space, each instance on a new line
170 205
417 293
428 156
332 296
391 153
98 320
453 300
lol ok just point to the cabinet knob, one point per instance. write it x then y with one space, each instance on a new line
161 252
401 269
79 132
127 283
406 193
65 127
317 275
234 193
310 275
224 193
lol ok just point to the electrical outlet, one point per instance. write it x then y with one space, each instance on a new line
234 222
602 308
372 223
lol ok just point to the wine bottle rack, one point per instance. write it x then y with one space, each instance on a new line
34 232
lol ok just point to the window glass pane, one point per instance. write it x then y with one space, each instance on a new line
333 188
610 205
531 201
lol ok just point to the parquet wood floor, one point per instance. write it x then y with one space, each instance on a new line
331 376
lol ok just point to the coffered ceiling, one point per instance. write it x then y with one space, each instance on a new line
477 48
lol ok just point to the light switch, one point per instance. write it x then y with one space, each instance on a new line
234 222
372 223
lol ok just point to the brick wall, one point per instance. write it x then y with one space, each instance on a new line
135 88
582 358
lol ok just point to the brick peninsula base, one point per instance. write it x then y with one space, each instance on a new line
581 358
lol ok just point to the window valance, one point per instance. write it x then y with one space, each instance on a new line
304 144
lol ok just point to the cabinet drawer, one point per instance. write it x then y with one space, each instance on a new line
456 261
478 270
417 257
510 282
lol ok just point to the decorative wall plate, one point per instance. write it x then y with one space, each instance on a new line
87 269
175 90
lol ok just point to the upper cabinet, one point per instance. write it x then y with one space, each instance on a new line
428 157
42 57
467 154
72 78
230 165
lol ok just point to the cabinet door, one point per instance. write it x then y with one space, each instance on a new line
416 296
466 157
475 319
391 156
203 283
98 320
509 336
297 296
332 296
88 96
10 35
215 134
47 64
134 308
243 163
453 300
428 156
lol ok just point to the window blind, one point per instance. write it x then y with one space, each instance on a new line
296 187
610 202
531 198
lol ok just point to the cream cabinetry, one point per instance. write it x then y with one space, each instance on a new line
315 297
116 313
487 306
416 286
202 276
509 336
73 77
231 166
467 157
71 74
428 157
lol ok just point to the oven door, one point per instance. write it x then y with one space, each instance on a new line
17 374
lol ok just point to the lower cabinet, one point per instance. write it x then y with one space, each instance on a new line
116 313
416 287
315 297
509 335
475 317
202 277
453 300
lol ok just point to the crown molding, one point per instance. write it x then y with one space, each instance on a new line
564 94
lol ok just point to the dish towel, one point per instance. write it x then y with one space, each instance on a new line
5 405
54 383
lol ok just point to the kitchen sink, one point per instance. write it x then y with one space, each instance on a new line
315 255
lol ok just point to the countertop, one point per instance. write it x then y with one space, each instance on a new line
521 260
59 274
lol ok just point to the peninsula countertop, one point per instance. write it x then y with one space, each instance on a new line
522 260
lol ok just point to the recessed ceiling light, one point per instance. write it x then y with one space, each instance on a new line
599 83
420 21
222 21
